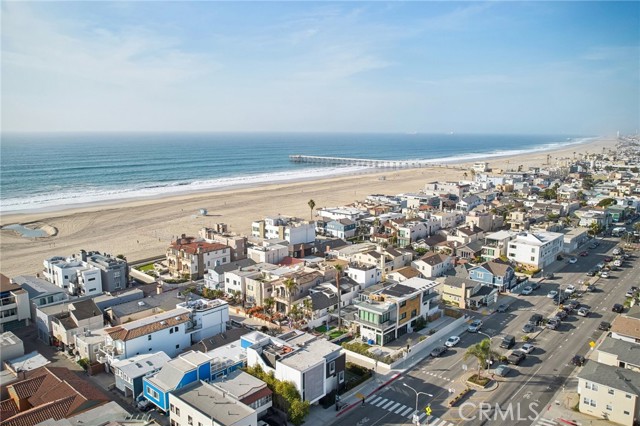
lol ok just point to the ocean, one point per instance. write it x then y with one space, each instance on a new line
50 171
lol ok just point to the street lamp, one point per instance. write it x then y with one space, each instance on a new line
415 414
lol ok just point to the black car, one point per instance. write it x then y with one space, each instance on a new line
604 326
528 328
592 273
578 360
562 314
573 303
516 357
536 319
617 308
436 352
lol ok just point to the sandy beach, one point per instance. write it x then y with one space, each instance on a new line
144 228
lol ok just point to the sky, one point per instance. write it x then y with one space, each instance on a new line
466 67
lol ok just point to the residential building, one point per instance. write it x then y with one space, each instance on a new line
626 327
468 203
14 305
114 271
411 231
314 365
433 264
535 250
219 234
609 392
446 188
294 230
189 257
199 404
403 274
391 311
78 318
88 344
191 367
459 291
268 253
247 389
130 372
149 306
574 238
286 296
11 347
619 353
170 332
214 278
75 276
48 393
341 228
589 218
337 213
247 281
363 274
496 244
495 273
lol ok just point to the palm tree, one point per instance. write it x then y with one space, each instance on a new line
482 352
269 302
307 305
291 287
338 276
312 205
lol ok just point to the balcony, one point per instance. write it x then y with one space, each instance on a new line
382 326
7 301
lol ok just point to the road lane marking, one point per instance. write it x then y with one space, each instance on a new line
376 399
407 411
394 406
404 407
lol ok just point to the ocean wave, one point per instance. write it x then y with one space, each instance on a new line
70 198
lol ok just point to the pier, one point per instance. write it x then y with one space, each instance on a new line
364 162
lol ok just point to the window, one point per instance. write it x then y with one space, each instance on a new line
175 329
610 391
589 401
403 303
190 420
150 349
403 316
152 392
414 313
177 346
533 259
171 331
591 386
177 411
92 279
609 408
628 396
172 407
332 367
626 413
149 337
341 377
480 274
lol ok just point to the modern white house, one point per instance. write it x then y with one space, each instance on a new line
171 332
314 365
268 253
294 230
14 305
364 274
75 276
337 213
535 250
433 264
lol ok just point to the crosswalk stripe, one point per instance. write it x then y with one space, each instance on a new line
407 411
422 415
546 422
376 399
387 405
381 402
404 407
394 406
441 423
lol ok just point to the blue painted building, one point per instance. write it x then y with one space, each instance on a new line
494 273
341 228
191 367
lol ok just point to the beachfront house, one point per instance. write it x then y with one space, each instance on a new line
191 258
14 305
75 276
220 234
294 230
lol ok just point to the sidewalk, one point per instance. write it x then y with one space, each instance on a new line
352 399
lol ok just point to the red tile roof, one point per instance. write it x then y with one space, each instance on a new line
250 399
189 246
8 408
121 333
56 410
7 285
26 388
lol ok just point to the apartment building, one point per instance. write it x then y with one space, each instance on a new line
294 230
191 258
392 311
535 250
75 276
41 294
314 365
14 305
79 317
220 234
170 332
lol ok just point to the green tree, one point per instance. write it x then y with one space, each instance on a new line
307 305
482 352
291 286
298 410
595 228
587 182
421 251
269 303
338 278
312 205
606 202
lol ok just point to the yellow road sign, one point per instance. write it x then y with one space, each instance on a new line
428 411
592 343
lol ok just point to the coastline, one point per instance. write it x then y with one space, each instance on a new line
144 227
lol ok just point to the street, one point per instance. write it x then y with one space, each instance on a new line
524 395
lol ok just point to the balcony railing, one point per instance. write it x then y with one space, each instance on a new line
381 326
8 301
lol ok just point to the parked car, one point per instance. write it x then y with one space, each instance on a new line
617 251
617 263
502 308
617 307
552 294
631 292
592 272
584 253
528 328
573 303
536 319
516 357
591 288
570 289
553 323
436 352
502 370
527 348
527 290
573 260
604 326
508 341
144 405
600 265
578 360
608 258
452 341
583 312
475 326
604 274
562 314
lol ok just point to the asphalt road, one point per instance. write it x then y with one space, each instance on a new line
526 393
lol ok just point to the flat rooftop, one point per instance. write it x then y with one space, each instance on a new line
214 403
